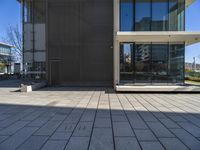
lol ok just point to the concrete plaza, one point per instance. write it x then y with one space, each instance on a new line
97 119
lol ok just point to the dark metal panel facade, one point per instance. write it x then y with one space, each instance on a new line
80 40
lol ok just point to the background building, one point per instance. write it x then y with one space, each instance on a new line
5 58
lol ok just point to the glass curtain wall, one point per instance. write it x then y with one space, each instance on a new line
152 63
152 15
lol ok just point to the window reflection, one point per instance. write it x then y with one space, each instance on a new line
159 15
142 63
126 15
126 62
176 63
173 13
142 15
159 63
152 15
155 63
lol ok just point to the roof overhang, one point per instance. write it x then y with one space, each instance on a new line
6 45
168 36
187 2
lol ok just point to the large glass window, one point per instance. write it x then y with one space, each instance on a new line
126 15
176 63
142 15
152 63
159 15
152 15
159 63
142 63
126 62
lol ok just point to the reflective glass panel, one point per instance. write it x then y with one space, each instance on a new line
126 15
142 63
173 17
142 15
159 63
181 15
176 63
126 62
159 15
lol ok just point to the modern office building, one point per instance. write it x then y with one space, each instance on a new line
5 58
107 42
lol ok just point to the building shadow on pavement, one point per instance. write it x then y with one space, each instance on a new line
27 127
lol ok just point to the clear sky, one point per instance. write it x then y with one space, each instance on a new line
10 14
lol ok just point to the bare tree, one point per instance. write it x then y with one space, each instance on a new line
14 37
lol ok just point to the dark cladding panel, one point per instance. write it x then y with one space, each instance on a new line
96 32
81 37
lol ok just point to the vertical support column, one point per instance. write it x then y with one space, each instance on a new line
33 46
47 40
116 43
23 63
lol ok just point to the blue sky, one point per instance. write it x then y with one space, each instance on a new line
10 14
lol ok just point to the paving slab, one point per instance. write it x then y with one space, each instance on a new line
83 129
78 143
13 128
151 146
173 144
33 143
122 129
187 138
102 139
61 136
159 129
126 143
145 135
102 123
54 145
18 138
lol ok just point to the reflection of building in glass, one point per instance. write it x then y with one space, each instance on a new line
143 53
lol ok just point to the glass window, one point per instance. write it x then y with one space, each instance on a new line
28 11
173 11
126 62
176 63
181 15
159 15
142 15
159 63
152 64
143 63
126 15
